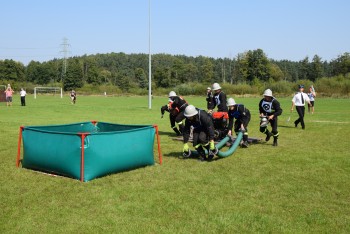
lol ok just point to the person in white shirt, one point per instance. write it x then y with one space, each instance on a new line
299 100
23 94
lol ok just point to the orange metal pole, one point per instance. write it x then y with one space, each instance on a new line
158 142
19 146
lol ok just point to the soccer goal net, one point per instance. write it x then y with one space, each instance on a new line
48 90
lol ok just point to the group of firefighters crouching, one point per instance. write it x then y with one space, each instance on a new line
206 126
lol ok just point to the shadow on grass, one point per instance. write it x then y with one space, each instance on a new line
179 156
170 134
176 154
286 126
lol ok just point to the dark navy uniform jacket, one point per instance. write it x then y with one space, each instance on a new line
202 122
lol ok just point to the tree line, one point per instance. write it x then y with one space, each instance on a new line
129 72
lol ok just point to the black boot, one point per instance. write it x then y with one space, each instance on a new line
201 153
245 143
274 141
178 133
268 136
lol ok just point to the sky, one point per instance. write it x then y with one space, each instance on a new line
283 29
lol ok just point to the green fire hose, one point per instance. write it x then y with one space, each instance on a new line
222 143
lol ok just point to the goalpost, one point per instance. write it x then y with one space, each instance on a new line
48 90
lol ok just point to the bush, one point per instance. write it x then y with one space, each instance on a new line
338 86
282 88
238 89
333 87
89 89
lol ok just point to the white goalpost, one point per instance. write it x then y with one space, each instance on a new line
48 90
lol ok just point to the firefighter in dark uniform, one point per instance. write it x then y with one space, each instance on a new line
73 96
172 116
269 109
219 99
242 116
203 132
209 98
181 104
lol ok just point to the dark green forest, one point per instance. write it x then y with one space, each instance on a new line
119 73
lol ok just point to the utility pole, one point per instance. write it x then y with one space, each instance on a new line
149 58
65 51
223 71
230 68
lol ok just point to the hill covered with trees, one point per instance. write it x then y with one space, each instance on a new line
248 73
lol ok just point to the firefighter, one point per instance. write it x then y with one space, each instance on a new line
172 116
269 109
209 98
203 132
219 99
181 104
242 116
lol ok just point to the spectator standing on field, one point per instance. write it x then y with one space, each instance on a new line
269 109
242 116
298 101
73 96
23 94
312 95
219 99
9 92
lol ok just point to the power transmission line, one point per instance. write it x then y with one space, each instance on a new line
65 51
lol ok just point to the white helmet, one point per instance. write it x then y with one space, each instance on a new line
268 93
208 88
190 111
263 121
172 94
231 102
216 86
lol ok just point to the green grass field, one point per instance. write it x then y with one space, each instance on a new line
301 186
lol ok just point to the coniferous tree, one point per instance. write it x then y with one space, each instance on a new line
316 68
304 69
341 65
140 77
207 72
74 75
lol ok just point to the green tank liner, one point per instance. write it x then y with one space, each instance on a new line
87 150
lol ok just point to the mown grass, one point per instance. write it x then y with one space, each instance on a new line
301 186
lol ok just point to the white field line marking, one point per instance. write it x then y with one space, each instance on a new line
327 121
